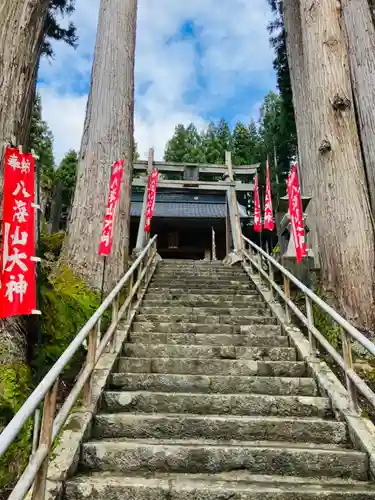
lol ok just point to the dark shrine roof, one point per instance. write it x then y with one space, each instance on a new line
186 205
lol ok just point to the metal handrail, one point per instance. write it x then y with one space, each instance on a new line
36 470
349 333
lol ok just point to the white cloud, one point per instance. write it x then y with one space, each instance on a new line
65 115
233 52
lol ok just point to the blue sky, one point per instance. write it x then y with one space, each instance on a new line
195 61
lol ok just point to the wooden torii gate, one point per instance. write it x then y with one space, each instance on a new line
190 173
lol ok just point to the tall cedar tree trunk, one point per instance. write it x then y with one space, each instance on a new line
299 82
107 137
21 36
361 39
334 165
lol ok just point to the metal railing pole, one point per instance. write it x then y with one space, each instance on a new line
49 408
348 365
310 324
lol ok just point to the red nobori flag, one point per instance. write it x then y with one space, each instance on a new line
268 214
257 216
106 238
151 198
17 266
296 215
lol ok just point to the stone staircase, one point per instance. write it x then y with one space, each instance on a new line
208 402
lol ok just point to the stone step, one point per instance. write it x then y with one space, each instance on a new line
216 404
175 309
220 487
196 280
220 274
177 427
167 382
200 297
163 350
272 332
194 366
229 286
227 293
211 457
207 319
229 344
201 301
144 350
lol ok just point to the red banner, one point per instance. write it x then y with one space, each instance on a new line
296 214
151 198
257 216
17 267
268 214
106 238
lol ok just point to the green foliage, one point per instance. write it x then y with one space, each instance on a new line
41 140
66 175
67 303
325 324
53 29
15 387
224 138
211 144
176 148
52 243
135 152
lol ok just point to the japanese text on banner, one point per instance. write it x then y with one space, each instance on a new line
257 215
296 214
151 198
17 265
269 223
106 237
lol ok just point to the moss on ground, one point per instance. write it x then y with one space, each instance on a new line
15 386
66 304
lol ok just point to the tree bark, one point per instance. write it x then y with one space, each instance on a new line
107 137
21 38
299 80
336 170
361 40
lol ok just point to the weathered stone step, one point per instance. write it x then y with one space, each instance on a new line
164 382
155 350
205 291
270 330
210 457
230 286
201 274
97 486
229 343
208 319
163 350
208 297
194 366
174 309
264 428
201 301
238 281
216 404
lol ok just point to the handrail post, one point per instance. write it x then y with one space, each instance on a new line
287 293
115 310
131 282
139 281
49 408
271 275
348 365
90 361
310 324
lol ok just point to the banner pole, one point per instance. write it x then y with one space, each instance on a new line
38 300
103 279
